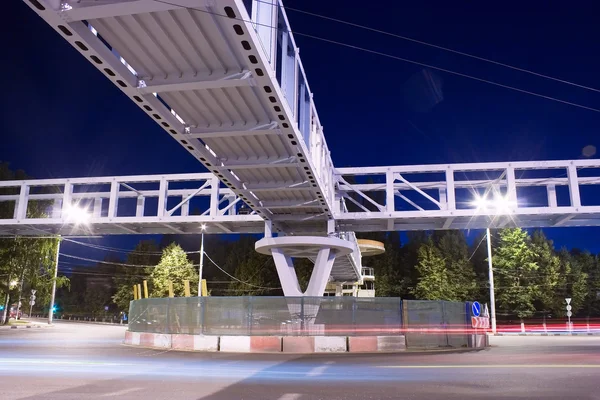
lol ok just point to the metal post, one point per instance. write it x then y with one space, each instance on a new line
20 294
491 277
50 311
201 265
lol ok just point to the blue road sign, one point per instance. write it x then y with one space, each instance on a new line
476 308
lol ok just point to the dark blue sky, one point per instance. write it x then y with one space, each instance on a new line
62 118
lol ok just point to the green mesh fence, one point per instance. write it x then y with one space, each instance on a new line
433 324
426 324
264 316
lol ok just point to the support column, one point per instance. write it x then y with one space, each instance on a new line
323 250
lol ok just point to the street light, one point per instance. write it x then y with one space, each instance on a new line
203 227
78 216
501 205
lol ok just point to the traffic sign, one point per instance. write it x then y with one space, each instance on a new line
476 308
569 308
568 300
480 322
569 313
32 303
33 291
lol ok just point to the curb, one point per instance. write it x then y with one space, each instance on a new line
550 334
280 344
26 326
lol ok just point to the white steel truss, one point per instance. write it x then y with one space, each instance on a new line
426 197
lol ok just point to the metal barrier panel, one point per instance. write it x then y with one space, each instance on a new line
264 316
434 324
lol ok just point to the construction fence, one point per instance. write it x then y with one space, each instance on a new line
425 323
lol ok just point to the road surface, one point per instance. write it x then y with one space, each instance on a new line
85 361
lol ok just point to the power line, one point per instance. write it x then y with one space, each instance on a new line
236 279
433 45
120 250
388 56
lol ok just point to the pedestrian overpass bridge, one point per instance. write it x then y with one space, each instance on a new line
225 80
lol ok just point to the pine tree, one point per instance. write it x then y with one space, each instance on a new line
125 277
548 277
174 266
515 264
433 282
462 278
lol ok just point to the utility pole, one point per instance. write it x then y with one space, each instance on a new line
201 263
50 311
491 278
20 293
6 303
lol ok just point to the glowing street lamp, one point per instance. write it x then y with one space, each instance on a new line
502 206
77 215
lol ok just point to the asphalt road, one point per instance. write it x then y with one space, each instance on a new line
80 361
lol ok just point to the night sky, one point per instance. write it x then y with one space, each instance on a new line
62 118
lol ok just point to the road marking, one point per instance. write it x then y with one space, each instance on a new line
120 392
290 396
494 366
319 370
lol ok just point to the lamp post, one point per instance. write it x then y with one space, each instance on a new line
491 278
201 266
502 206
77 216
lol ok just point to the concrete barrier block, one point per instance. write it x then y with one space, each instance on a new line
265 344
357 344
182 342
331 344
206 343
300 344
162 340
235 344
132 338
147 339
391 343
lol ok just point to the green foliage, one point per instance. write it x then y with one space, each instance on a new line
144 254
549 278
255 273
174 266
515 263
433 282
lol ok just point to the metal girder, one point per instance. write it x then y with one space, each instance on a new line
157 85
79 10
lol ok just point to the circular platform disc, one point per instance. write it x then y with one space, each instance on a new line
370 247
304 246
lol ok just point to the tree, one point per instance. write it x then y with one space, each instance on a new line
254 273
515 264
28 261
393 278
144 254
461 275
433 282
574 284
174 266
548 279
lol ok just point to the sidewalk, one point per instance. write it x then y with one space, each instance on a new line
25 324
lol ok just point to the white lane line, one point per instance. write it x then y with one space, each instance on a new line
120 392
290 396
319 370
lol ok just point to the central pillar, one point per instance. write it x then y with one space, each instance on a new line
323 250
